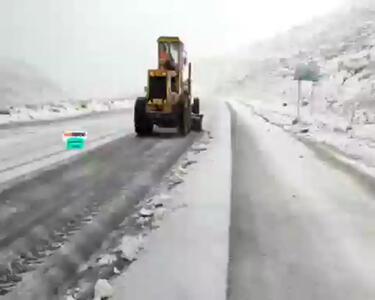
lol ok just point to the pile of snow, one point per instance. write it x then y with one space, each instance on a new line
130 246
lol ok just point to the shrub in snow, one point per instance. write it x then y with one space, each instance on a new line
355 63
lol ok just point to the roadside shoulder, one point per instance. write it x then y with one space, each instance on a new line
186 258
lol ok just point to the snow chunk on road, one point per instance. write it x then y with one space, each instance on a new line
199 147
174 180
107 259
103 290
130 246
145 212
159 200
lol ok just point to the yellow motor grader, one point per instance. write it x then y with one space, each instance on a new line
168 101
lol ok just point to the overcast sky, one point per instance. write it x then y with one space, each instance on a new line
103 47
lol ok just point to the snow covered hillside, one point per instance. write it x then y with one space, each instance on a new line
21 83
61 110
339 110
343 45
26 95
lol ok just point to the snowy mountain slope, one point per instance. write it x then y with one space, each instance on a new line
61 110
26 95
21 83
340 109
343 45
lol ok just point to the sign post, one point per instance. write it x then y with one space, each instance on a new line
312 97
299 100
305 72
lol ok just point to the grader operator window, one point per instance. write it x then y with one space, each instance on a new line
174 52
169 55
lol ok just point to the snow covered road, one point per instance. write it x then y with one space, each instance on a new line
24 149
300 228
297 225
187 257
42 213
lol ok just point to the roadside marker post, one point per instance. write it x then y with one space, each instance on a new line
299 100
305 72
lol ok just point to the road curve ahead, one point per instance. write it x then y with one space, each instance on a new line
300 228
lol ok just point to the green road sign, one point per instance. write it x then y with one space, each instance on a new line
75 143
307 72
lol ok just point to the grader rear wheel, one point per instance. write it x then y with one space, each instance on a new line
185 121
195 109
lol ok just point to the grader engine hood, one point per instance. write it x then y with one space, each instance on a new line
157 85
159 95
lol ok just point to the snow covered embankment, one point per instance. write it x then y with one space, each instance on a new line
339 110
60 110
351 143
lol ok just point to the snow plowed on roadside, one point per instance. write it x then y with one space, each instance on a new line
181 227
351 144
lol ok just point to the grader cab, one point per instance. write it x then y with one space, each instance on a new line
168 101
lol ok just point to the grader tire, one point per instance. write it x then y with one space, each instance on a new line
142 125
185 121
195 109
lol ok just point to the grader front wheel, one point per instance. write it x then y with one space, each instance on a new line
142 125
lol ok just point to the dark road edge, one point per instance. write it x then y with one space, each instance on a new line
233 122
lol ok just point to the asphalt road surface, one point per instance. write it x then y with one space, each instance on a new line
37 211
300 227
24 149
